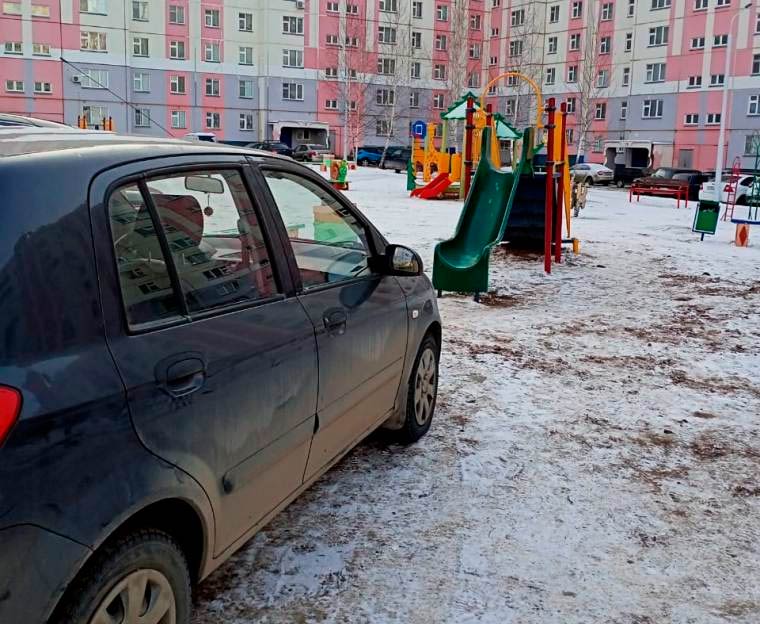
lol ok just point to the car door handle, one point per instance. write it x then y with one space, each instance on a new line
185 377
335 321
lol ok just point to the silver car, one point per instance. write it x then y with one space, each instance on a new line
592 173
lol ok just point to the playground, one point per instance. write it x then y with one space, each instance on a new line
595 454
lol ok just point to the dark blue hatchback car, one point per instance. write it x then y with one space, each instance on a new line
190 335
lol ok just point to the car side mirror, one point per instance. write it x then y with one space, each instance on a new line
402 261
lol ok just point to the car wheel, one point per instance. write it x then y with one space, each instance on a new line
364 162
620 184
422 392
142 577
397 170
589 181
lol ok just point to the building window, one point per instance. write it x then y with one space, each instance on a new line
386 66
94 79
245 89
607 12
623 109
570 136
518 17
177 50
13 47
439 72
658 36
245 22
575 41
597 144
14 86
628 42
142 118
511 81
700 5
577 10
140 10
438 101
99 7
753 106
660 4
493 61
331 104
476 21
245 55
717 80
331 72
95 115
554 14
417 9
600 112
416 40
698 43
41 49
213 121
386 34
631 8
551 75
626 76
651 109
246 122
390 6
720 41
494 32
509 108
93 41
331 39
515 47
176 15
415 70
383 128
695 82
495 3
751 144
603 78
12 8
352 9
442 13
474 51
572 74
212 52
414 99
141 82
605 45
385 97
473 80
177 85
179 119
292 25
292 58
441 42
552 45
140 46
43 87
292 91
655 72
40 10
571 105
691 119
722 3
332 7
212 87
211 18
755 64
713 119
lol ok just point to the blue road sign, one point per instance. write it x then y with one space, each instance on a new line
419 129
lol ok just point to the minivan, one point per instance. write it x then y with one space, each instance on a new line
190 335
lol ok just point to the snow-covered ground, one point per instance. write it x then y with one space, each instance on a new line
595 456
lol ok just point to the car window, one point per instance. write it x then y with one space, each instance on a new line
214 236
144 279
328 242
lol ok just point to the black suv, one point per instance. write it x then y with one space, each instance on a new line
190 335
276 147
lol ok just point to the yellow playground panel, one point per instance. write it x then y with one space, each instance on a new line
425 156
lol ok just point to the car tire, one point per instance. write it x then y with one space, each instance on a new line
589 181
364 162
422 392
149 560
620 183
397 170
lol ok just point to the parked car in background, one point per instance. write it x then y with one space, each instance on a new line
592 173
397 159
673 177
310 152
7 119
368 155
625 175
208 137
743 189
190 335
276 147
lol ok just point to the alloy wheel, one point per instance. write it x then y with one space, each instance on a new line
142 597
425 387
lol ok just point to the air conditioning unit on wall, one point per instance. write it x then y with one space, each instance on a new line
300 4
76 79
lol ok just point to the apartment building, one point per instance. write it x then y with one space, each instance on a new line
316 70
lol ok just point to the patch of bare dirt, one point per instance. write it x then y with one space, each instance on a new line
738 608
646 362
745 491
708 445
703 414
713 385
495 300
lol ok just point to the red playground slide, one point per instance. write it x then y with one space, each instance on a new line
434 188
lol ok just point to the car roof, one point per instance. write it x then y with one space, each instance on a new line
9 119
107 147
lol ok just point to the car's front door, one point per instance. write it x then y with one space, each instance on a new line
360 316
216 353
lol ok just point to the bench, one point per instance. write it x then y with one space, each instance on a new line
674 191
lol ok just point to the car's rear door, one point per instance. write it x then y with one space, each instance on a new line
360 316
217 354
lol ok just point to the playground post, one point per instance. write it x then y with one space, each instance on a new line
549 202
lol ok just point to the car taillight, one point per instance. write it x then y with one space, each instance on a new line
727 188
10 407
312 154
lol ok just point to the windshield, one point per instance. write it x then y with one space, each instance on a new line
663 173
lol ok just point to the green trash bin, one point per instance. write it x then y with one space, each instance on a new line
706 217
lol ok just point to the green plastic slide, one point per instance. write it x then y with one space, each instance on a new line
461 263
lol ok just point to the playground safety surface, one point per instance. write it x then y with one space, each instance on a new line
595 455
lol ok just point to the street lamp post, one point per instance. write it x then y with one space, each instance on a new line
724 104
